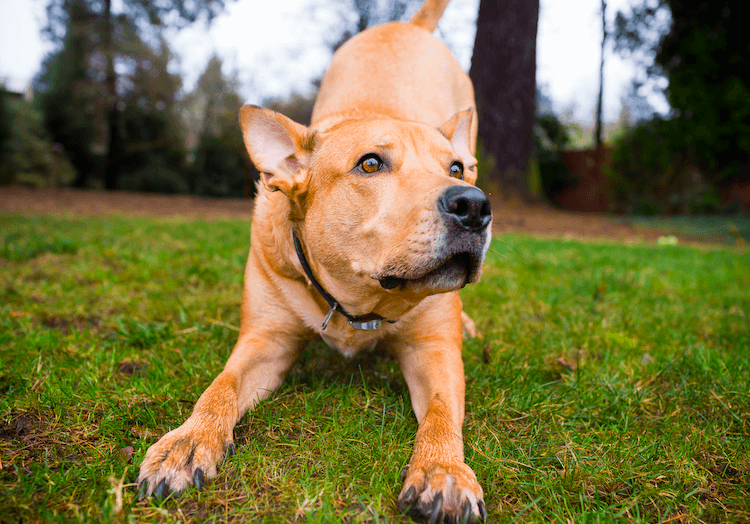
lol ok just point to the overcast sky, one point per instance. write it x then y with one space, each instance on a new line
281 46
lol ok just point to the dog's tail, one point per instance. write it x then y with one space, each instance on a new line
429 14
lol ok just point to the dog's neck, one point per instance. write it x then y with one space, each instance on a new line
368 322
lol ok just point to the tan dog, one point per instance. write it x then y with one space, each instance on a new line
366 226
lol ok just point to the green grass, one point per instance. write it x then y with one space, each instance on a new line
612 383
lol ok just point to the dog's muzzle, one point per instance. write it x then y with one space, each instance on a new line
466 215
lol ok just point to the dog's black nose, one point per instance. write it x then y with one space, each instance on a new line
467 206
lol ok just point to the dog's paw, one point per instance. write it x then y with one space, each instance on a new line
185 456
442 493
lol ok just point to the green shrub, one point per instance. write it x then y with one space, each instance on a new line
223 166
550 137
485 164
154 178
27 154
651 168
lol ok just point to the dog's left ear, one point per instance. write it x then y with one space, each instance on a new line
458 131
279 147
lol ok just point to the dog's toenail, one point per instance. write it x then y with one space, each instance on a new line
162 489
142 489
466 513
404 472
199 478
438 502
482 511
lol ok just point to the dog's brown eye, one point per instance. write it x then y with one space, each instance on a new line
370 163
457 170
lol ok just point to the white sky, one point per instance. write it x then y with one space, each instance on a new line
279 46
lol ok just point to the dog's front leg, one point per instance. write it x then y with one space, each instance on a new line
438 485
189 454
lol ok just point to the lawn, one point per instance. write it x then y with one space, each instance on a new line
612 382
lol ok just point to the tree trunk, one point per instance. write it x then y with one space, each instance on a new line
200 160
111 155
598 131
82 179
503 69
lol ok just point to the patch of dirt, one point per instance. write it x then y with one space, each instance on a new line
27 438
66 325
132 368
509 216
64 201
21 425
724 471
517 217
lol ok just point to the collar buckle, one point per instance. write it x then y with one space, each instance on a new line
369 325
328 316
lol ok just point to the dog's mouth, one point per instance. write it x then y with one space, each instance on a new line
449 274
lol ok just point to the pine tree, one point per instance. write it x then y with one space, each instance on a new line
110 32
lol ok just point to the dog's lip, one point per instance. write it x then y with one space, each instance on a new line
465 261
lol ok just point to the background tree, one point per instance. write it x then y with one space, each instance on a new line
358 15
636 35
700 53
6 134
220 165
371 12
70 93
107 27
706 57
27 155
150 152
503 69
598 129
551 137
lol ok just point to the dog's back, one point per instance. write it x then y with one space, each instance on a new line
398 70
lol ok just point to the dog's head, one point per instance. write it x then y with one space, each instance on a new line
384 207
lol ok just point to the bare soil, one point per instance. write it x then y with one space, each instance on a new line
509 216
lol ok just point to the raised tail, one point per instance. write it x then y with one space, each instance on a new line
429 14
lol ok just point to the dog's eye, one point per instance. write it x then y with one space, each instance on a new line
457 170
370 163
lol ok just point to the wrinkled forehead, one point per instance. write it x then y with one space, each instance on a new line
354 138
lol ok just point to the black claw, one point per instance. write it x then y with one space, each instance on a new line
466 513
142 489
162 490
415 513
199 478
404 472
411 495
438 502
406 502
231 452
482 511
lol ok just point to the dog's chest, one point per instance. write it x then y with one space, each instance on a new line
349 341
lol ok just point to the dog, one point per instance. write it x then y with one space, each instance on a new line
366 225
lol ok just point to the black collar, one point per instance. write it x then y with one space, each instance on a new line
367 322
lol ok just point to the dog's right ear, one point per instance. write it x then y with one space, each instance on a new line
458 131
279 147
